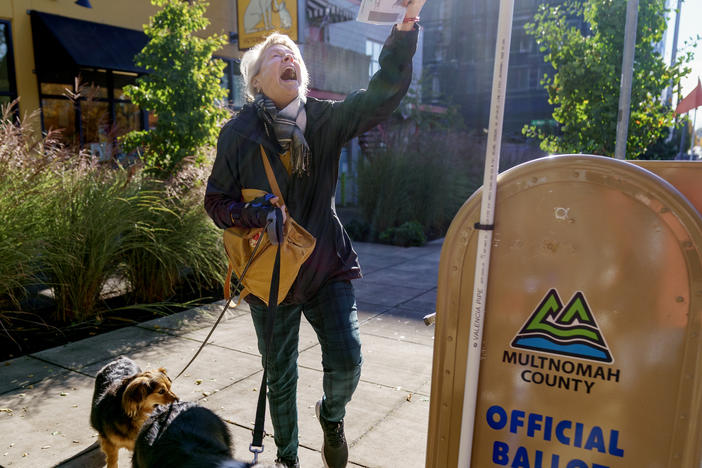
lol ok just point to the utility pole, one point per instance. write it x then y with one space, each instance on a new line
632 14
674 52
673 57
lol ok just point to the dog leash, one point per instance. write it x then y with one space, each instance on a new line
256 445
229 301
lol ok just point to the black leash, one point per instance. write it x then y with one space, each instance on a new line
256 446
238 284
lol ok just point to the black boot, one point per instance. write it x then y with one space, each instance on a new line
288 463
335 452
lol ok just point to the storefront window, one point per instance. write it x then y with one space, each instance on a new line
233 82
60 114
8 90
127 117
92 111
95 119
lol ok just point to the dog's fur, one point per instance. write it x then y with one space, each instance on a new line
123 398
185 435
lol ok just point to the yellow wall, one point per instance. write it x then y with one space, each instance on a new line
132 14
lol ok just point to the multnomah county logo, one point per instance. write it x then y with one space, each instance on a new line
569 331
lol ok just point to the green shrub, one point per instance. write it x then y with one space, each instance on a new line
25 183
422 185
88 220
70 224
182 88
358 230
174 243
407 234
382 187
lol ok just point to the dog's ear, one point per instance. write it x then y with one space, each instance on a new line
162 370
134 396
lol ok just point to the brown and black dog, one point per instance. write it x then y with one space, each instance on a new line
123 398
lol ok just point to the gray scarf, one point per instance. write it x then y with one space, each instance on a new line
287 131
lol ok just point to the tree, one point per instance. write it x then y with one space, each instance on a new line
182 88
585 87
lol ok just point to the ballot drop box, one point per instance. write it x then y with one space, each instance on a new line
591 345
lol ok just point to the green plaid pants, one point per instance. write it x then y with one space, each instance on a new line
332 314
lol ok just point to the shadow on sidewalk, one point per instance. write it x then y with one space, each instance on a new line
90 457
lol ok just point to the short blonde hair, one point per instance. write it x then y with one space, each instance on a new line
251 63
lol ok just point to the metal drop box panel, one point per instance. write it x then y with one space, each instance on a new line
591 347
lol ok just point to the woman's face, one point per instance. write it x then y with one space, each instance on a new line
279 77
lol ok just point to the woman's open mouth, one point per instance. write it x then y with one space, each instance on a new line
289 74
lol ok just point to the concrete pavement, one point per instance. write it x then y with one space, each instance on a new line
45 397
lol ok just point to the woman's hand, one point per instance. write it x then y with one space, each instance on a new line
275 201
255 213
414 7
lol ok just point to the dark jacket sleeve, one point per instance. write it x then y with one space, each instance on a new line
223 201
364 109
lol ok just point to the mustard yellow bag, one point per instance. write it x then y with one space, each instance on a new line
239 244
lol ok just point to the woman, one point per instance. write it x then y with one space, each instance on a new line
303 138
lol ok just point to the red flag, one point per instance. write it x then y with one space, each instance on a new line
691 101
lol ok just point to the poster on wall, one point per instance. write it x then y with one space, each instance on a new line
258 18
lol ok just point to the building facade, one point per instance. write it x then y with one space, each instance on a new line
364 41
72 62
71 59
458 62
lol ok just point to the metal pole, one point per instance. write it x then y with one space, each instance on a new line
673 56
683 131
487 218
692 142
632 13
674 52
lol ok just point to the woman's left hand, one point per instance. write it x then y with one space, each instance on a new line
413 9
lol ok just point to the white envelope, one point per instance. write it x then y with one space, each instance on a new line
381 12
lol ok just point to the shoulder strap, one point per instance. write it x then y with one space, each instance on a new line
271 176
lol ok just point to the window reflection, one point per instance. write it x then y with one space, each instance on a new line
4 73
95 119
8 91
60 114
373 49
233 82
91 113
127 117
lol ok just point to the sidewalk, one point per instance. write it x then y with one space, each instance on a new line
45 397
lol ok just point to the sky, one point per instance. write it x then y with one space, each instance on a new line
690 26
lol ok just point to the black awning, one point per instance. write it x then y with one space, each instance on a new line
61 43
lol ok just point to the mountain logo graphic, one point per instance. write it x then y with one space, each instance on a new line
568 331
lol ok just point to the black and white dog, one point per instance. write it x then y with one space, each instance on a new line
185 435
